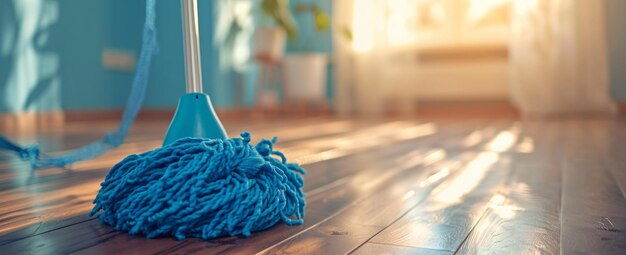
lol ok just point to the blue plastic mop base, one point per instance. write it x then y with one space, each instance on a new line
194 117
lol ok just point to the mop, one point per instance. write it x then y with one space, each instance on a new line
201 183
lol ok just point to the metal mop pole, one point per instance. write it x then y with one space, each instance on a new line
194 116
193 68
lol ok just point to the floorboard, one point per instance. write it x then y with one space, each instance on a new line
343 197
360 185
384 186
385 249
37 203
352 227
593 206
526 219
356 225
445 218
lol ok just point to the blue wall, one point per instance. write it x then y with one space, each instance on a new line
75 38
61 52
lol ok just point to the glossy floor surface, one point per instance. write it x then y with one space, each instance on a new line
374 186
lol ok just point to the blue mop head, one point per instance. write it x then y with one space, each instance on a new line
204 188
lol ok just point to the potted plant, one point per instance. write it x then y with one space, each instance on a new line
304 72
305 69
277 25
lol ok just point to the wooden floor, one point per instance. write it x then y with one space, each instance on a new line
374 187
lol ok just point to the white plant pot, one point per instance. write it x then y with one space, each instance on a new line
269 43
305 76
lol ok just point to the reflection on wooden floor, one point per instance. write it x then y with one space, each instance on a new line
396 186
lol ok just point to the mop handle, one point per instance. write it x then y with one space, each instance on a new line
193 69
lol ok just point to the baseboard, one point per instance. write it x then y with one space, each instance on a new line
115 114
429 109
467 109
159 114
621 107
225 114
27 121
487 109
43 120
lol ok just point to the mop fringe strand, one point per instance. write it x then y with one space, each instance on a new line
203 188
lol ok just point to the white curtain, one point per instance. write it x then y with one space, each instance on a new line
559 57
360 62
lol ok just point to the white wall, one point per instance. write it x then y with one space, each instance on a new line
454 75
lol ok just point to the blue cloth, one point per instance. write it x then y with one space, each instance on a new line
204 188
113 139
